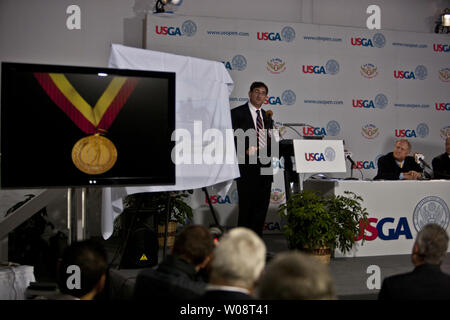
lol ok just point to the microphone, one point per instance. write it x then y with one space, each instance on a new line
420 158
273 126
348 155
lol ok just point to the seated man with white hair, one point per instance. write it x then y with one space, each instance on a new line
237 263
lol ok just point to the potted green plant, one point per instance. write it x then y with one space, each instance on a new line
179 211
319 224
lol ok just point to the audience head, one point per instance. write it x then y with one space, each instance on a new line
91 259
402 149
294 275
194 244
431 245
238 259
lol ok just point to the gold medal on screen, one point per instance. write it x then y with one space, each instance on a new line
94 154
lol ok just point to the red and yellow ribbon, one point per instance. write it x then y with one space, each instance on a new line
89 120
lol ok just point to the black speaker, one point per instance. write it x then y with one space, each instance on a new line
141 245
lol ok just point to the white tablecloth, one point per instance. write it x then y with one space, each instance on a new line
14 281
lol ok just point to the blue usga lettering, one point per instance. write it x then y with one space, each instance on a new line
393 234
366 42
368 104
227 65
222 201
172 31
274 100
274 36
320 132
409 75
410 133
272 226
368 165
318 70
319 157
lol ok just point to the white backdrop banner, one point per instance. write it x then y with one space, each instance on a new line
366 87
201 105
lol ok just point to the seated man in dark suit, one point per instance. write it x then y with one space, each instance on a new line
237 263
177 276
441 163
398 165
426 281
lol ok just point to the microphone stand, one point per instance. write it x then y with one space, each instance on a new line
351 171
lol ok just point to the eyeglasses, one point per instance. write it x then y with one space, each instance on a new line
258 92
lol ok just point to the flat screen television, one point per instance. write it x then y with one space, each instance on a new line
68 126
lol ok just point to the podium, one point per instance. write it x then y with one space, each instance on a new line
304 156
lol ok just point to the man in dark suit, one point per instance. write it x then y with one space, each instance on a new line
177 277
398 165
255 165
441 163
426 281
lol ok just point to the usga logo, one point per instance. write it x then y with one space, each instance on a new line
375 228
333 128
331 67
442 106
287 34
431 209
365 165
271 226
445 132
238 63
419 73
188 29
278 163
276 65
281 129
380 102
439 47
421 131
444 74
378 41
328 155
370 131
288 98
369 70
230 199
277 196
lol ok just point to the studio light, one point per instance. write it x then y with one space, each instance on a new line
445 18
443 24
160 4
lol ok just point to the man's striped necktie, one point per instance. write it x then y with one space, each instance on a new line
260 130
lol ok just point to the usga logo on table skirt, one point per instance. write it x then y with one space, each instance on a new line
431 209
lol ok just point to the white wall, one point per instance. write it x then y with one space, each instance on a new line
35 31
